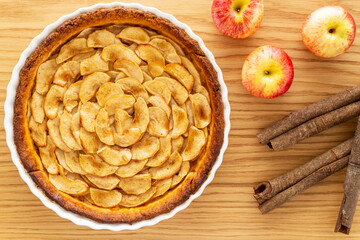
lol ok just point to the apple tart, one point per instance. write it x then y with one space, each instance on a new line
118 115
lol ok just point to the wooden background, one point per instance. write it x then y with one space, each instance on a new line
226 210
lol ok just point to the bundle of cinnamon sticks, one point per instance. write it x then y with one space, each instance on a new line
304 123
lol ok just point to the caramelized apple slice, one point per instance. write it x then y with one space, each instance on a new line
177 144
122 121
159 122
141 118
95 166
191 68
178 49
146 76
177 178
151 55
180 121
131 169
91 84
146 148
108 183
116 51
88 113
114 155
167 49
104 198
179 72
128 138
159 102
202 90
178 92
162 186
53 126
106 91
67 73
72 48
38 132
121 101
158 88
136 200
71 96
163 154
86 32
44 76
72 161
52 100
66 185
168 169
201 110
101 38
60 155
37 107
83 56
89 141
130 68
48 158
195 143
93 64
134 34
103 129
75 127
137 184
133 87
189 111
65 131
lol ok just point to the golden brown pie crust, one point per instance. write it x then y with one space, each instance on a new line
28 152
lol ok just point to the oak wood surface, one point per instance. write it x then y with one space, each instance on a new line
226 210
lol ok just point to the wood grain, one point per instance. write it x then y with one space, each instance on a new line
227 209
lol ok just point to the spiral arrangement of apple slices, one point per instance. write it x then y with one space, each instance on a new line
118 114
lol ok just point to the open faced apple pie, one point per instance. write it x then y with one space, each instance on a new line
118 115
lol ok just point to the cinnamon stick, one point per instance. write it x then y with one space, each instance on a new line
304 184
269 189
315 126
305 114
351 187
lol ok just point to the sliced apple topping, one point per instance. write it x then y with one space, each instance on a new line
178 92
159 122
66 185
167 49
38 132
93 64
133 87
202 90
72 161
71 96
115 155
195 143
108 183
191 68
130 68
177 178
131 169
201 110
178 49
136 200
162 186
44 76
180 121
65 131
158 88
88 113
53 126
101 38
115 29
48 158
141 118
134 34
146 148
67 73
189 111
177 144
91 84
159 102
179 72
121 101
75 127
52 100
83 56
92 164
116 51
106 91
60 155
103 129
122 121
72 48
104 198
146 76
163 154
137 184
86 32
128 138
37 107
154 58
89 141
168 169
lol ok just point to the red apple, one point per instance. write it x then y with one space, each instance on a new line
267 72
329 31
237 18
